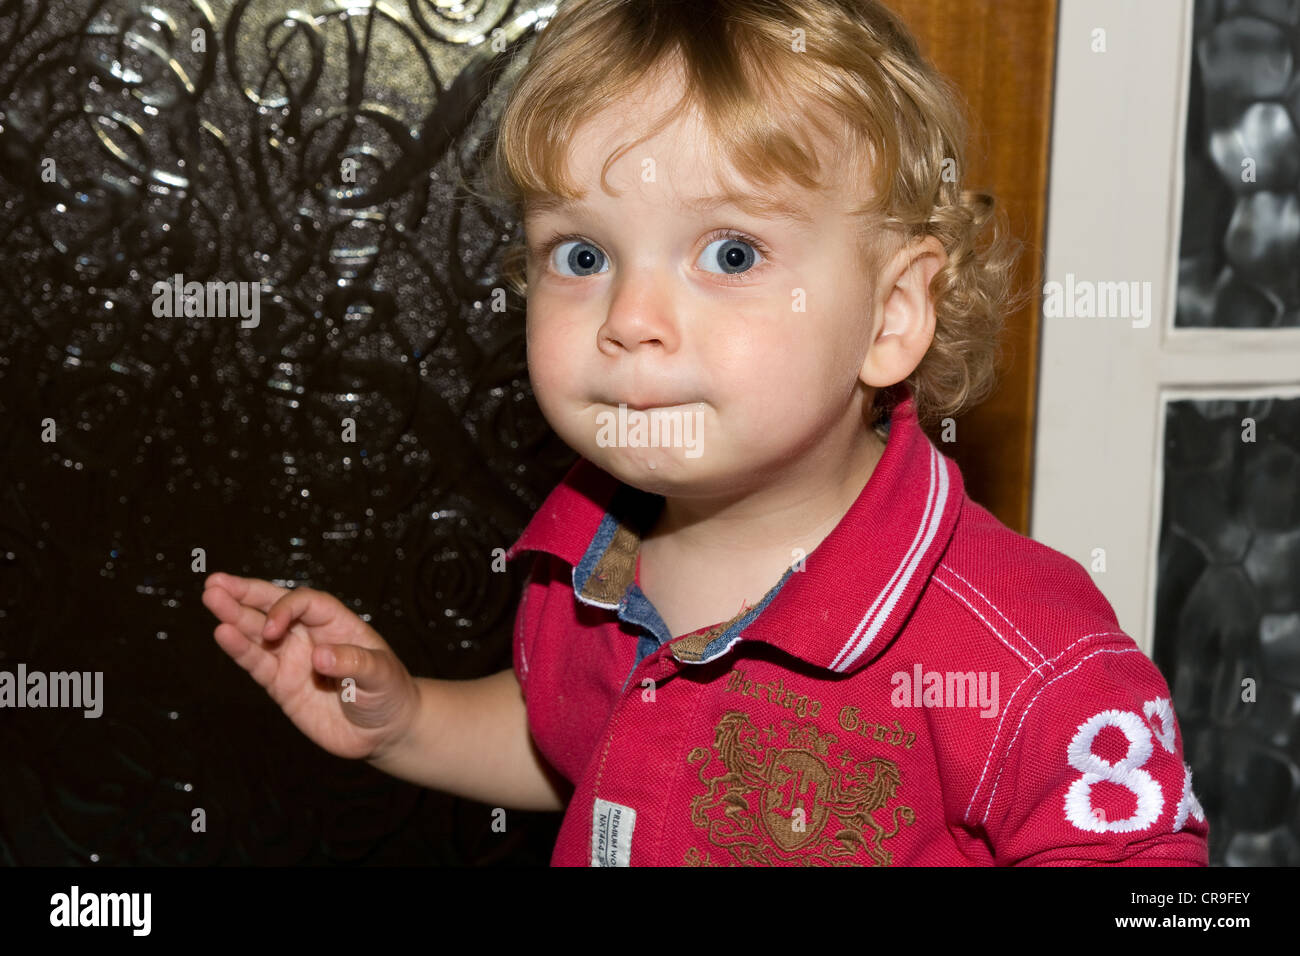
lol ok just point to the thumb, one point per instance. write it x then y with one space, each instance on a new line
370 669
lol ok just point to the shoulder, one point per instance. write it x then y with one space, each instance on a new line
1033 615
1082 699
1031 599
545 573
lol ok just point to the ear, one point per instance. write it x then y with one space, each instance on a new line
903 314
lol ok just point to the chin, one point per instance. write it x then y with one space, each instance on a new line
660 471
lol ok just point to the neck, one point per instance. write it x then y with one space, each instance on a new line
796 508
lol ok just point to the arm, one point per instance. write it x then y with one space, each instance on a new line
1092 771
470 738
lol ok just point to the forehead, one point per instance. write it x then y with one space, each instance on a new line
680 165
794 207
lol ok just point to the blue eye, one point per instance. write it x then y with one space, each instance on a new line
583 258
731 254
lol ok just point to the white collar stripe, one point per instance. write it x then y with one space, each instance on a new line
932 527
871 611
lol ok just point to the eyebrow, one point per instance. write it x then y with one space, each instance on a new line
767 208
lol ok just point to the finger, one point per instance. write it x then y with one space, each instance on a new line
372 670
260 664
306 605
229 611
251 591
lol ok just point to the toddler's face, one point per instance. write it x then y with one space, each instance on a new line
752 327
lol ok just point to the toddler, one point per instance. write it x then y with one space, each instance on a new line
763 623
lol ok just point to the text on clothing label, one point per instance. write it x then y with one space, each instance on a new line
611 834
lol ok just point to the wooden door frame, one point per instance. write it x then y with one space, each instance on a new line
1002 56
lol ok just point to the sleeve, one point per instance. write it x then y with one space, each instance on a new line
1093 771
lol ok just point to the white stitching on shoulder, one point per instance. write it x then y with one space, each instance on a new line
1104 650
1005 643
1007 709
996 609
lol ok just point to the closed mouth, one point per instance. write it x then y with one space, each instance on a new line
646 406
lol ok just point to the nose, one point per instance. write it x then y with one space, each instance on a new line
637 317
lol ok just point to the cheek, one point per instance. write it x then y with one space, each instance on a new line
766 363
550 354
789 367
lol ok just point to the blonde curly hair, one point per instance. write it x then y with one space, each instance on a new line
769 77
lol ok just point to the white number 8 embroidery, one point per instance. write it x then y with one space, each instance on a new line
1127 773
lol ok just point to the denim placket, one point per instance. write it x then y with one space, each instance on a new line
635 608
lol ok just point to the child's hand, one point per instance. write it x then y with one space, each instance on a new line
294 641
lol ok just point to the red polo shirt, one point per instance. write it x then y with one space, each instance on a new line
929 688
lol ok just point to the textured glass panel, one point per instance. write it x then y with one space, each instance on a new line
315 148
1228 617
1240 249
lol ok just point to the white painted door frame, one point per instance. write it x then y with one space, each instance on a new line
1114 215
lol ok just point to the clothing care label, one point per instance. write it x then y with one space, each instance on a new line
611 834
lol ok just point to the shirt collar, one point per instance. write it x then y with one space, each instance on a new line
854 591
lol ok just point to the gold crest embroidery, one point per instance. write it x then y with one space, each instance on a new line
792 804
